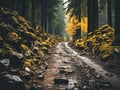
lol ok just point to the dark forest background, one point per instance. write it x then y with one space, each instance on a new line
50 14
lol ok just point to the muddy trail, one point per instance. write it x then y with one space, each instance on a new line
67 70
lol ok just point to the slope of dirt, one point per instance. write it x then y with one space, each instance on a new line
67 70
98 45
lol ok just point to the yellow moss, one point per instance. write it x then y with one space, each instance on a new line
27 63
27 87
24 47
1 39
13 36
31 34
100 41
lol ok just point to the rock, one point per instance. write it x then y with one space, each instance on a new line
38 72
117 50
65 67
91 82
34 81
66 61
88 75
72 83
109 74
62 80
97 76
84 87
14 71
11 82
16 59
18 55
27 69
76 88
39 86
25 75
41 77
34 87
105 84
5 62
66 71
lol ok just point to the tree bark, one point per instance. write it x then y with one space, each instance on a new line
117 23
92 15
117 17
109 12
34 13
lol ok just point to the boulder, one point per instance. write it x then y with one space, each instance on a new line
11 82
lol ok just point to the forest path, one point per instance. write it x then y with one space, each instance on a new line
67 70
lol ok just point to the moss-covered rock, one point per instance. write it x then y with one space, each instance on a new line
98 42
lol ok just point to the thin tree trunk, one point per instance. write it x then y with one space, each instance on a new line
95 14
92 15
42 13
109 12
117 17
117 23
34 13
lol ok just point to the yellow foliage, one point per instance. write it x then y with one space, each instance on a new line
74 24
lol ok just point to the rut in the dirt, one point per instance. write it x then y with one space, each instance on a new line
69 71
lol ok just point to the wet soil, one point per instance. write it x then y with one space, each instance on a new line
67 70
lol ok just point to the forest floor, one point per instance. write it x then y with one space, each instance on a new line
68 70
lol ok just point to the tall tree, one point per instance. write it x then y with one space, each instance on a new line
117 23
34 3
92 15
109 7
74 8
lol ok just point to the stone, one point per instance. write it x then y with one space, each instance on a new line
66 61
39 86
14 71
38 72
98 76
76 88
11 82
16 59
109 74
66 71
5 62
34 87
41 77
65 67
61 81
27 69
117 50
34 81
105 84
91 82
84 87
26 76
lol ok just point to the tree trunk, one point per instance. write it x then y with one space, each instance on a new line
92 15
42 13
109 12
34 13
117 23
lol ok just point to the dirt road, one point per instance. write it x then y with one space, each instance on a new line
68 70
